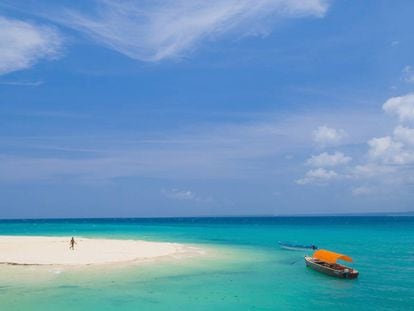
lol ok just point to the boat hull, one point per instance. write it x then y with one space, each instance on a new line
338 271
296 247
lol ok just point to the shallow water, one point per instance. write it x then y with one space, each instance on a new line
244 269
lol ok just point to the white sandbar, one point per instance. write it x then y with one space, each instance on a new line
30 250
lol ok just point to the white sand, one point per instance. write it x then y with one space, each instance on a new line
25 250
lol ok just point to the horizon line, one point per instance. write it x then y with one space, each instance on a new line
374 214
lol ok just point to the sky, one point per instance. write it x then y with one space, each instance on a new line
138 108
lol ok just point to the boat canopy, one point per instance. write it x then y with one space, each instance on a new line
330 257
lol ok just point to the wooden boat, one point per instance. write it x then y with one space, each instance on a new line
325 261
296 247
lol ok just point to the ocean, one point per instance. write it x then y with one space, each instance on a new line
245 268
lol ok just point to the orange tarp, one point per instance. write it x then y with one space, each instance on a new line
330 257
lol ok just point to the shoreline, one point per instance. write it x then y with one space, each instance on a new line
54 251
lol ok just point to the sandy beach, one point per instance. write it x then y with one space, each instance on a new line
35 250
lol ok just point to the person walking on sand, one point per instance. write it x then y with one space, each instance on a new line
72 243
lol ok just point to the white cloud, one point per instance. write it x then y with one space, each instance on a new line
328 160
318 175
408 74
402 106
22 44
389 159
156 30
325 136
382 147
404 134
389 151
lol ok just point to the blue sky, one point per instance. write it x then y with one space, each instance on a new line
186 108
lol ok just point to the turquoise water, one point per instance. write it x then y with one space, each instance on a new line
246 271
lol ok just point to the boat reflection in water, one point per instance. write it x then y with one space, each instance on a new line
325 261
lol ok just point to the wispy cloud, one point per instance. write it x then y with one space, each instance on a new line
22 83
23 44
253 150
371 170
210 151
362 190
214 152
156 30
